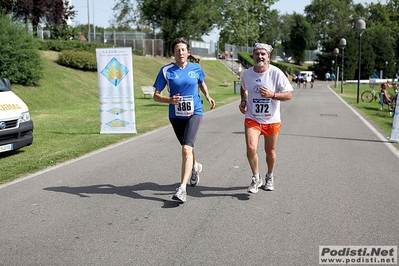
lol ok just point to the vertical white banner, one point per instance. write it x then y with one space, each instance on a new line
116 90
395 125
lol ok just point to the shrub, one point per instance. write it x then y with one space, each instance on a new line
20 60
77 54
62 45
82 60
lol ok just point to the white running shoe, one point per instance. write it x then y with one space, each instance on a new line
180 195
194 180
269 183
255 184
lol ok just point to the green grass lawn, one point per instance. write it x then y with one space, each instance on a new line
379 119
65 111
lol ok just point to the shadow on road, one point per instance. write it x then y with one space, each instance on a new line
158 190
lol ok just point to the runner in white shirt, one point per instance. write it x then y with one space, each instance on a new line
263 87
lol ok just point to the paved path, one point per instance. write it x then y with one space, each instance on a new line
336 184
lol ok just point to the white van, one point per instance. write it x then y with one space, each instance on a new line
16 127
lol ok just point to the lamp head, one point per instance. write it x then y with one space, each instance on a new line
342 42
360 25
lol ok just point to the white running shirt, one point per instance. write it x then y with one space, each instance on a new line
264 110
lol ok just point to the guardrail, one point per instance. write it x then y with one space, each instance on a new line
371 82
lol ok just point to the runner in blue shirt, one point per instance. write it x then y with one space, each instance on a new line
183 82
299 80
312 77
183 78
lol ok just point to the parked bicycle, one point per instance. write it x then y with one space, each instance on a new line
368 96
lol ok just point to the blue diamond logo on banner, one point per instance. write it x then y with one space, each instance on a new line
114 71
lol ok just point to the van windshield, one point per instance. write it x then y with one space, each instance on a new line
3 86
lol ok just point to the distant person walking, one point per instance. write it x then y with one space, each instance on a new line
263 87
328 77
299 80
239 70
332 77
312 77
185 108
294 77
305 80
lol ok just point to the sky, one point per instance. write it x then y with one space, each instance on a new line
100 12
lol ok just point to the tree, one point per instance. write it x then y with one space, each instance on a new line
328 16
126 15
367 57
286 22
333 20
393 9
248 21
189 19
383 50
269 29
383 24
20 60
36 12
301 37
238 25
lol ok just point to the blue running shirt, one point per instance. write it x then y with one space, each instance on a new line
185 82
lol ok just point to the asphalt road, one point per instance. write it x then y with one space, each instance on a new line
336 182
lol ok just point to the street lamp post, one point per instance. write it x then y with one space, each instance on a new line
336 52
94 27
231 57
342 42
247 28
386 66
88 21
332 66
360 27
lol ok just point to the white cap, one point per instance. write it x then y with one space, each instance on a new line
265 46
